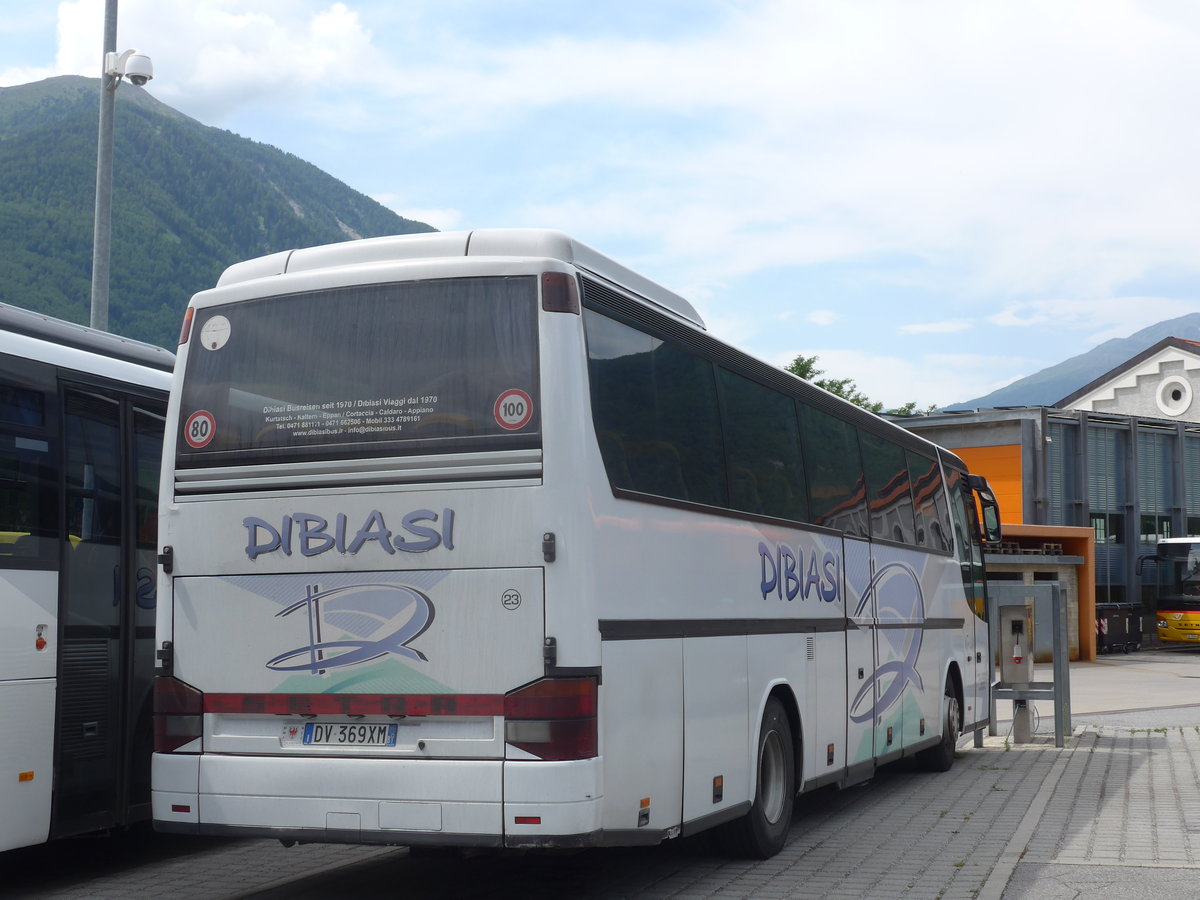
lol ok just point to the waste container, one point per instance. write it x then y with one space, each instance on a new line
1118 628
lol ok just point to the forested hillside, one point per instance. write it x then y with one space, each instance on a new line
188 200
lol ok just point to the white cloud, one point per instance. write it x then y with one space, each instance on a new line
1099 320
966 150
934 379
215 57
441 219
10 75
1009 147
822 317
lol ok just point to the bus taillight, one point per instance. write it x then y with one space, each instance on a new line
185 331
554 718
178 714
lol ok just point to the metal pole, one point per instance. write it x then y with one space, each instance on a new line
102 229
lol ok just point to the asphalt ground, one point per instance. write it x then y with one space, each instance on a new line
1116 811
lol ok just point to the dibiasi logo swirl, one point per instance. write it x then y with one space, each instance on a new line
384 618
896 589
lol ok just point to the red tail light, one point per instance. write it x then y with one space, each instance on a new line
554 718
185 330
178 714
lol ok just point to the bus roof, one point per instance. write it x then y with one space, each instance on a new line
67 334
496 242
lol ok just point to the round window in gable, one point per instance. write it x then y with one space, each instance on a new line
1174 396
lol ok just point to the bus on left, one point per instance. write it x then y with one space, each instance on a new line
81 422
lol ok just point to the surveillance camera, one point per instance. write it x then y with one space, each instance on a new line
138 68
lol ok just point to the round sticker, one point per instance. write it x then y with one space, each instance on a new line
215 333
199 429
513 409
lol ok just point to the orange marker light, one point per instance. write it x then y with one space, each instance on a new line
24 776
185 331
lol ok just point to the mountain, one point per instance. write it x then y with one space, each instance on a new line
1047 387
188 200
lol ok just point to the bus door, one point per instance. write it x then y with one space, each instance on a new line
861 689
111 446
969 551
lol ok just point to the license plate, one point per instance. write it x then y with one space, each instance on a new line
337 734
1193 637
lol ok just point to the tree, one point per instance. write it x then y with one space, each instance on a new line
806 367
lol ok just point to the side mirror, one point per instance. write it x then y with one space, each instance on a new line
988 507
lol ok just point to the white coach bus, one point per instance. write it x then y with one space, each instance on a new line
81 424
479 539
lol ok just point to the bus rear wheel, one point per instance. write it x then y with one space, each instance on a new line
762 832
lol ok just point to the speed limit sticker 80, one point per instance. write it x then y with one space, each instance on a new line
513 409
199 429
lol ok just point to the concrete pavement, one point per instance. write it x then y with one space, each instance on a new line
1119 810
1115 810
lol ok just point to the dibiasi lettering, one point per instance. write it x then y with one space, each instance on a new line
788 573
311 535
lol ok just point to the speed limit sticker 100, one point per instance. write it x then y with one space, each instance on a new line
199 429
513 409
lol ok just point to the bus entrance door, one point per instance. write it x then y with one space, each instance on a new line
96 710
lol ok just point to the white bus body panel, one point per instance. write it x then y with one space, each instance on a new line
404 632
27 698
26 746
690 706
385 800
642 736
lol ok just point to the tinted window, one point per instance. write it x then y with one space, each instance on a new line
419 367
28 491
890 498
836 491
28 479
94 477
22 406
966 527
929 498
654 406
762 444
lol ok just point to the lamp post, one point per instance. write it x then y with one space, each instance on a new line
139 70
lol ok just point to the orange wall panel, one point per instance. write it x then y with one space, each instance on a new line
1001 466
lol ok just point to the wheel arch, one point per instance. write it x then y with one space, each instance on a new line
953 680
783 692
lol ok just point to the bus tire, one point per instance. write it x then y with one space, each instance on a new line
763 831
940 758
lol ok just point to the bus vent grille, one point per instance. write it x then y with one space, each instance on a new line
811 647
421 472
84 699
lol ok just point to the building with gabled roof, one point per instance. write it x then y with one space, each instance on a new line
1161 381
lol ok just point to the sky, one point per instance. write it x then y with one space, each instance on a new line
935 197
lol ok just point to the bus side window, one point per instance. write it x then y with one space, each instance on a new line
654 407
966 528
929 503
28 492
762 441
890 503
833 462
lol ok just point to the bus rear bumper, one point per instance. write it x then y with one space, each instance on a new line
467 803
